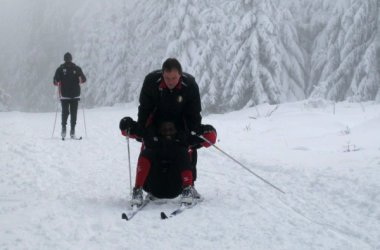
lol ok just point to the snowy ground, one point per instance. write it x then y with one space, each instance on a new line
70 194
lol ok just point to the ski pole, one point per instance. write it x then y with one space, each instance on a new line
84 118
56 112
129 164
246 168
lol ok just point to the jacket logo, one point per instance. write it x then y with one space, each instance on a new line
179 99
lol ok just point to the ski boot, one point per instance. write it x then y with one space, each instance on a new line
188 195
72 133
63 132
137 197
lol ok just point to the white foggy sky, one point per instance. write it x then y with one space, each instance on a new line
13 20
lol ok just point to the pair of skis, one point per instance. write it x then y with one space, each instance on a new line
175 212
72 138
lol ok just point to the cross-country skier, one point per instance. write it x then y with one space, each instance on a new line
67 77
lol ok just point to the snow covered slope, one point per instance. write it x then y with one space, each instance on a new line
70 194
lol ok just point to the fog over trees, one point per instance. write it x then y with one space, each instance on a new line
242 52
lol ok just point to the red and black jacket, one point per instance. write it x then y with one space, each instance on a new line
181 105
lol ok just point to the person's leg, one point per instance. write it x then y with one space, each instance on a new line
65 115
144 163
73 117
142 170
193 160
193 154
185 162
182 161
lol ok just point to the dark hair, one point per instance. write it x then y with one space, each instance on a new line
67 57
170 64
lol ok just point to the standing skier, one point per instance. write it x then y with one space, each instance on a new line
169 111
67 77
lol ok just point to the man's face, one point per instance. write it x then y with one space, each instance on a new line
167 130
171 78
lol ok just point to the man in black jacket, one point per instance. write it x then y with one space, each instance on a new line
168 96
67 77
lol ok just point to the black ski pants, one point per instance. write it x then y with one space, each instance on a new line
69 107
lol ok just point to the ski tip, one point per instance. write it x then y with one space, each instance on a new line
124 216
163 216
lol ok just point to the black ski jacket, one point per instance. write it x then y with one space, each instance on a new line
68 75
181 105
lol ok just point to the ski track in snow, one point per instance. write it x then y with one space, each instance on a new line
70 194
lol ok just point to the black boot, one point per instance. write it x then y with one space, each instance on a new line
72 132
63 132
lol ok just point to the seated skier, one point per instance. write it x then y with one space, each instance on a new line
166 165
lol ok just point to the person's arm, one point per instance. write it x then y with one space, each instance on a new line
147 101
57 78
193 108
82 77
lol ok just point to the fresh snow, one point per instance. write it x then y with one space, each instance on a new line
70 194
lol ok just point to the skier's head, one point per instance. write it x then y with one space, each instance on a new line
67 57
167 129
171 72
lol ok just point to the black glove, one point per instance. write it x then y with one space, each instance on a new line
204 129
127 123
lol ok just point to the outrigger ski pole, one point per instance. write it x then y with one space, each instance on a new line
246 168
129 164
56 111
84 118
